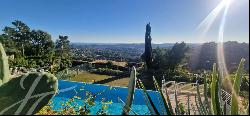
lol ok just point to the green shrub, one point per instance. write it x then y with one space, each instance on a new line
107 71
76 109
20 62
31 64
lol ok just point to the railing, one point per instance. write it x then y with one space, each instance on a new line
225 96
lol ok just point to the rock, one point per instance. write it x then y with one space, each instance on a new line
32 70
41 70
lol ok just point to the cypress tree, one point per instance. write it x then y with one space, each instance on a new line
148 47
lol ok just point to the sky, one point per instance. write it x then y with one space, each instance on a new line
124 21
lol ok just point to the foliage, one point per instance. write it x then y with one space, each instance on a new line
32 64
72 106
107 71
159 59
4 66
22 42
63 52
20 62
166 62
176 55
65 74
165 59
131 90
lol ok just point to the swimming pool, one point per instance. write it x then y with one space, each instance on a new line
68 89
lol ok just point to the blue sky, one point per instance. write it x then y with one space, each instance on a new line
123 21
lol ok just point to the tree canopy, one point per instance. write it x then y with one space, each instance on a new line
32 47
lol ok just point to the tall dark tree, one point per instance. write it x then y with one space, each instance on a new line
20 33
148 47
62 46
63 51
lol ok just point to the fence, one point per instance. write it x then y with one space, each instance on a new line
172 86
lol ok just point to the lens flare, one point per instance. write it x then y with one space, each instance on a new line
205 25
220 48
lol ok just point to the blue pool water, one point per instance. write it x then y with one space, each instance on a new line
69 89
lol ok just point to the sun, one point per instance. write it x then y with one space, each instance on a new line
227 2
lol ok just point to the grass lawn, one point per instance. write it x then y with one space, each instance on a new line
120 82
89 77
188 87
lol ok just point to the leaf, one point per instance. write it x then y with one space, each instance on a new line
124 105
162 96
145 99
236 88
131 90
182 109
110 88
105 107
4 66
77 97
148 97
110 102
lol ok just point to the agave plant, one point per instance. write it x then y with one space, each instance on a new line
215 107
131 89
26 94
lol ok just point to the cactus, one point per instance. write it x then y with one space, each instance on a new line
26 94
203 110
236 88
188 105
206 103
38 88
168 107
215 103
4 66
